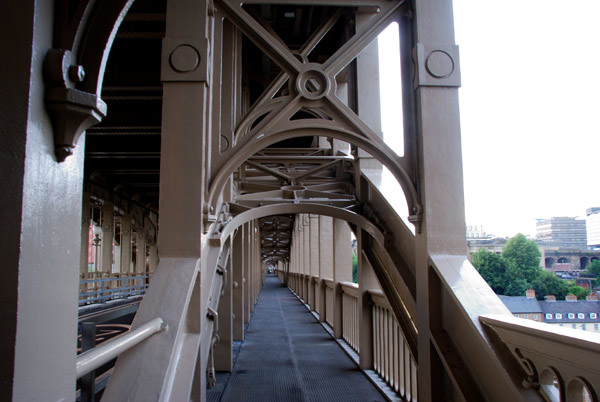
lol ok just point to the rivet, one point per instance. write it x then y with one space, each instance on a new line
76 73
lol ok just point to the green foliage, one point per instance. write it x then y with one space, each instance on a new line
578 291
516 283
549 284
594 269
517 270
354 268
524 255
492 268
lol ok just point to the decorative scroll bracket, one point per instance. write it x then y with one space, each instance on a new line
72 111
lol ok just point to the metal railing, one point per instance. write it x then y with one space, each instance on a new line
392 358
105 352
561 363
329 302
350 315
101 290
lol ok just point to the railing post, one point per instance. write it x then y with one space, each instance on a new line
366 281
311 292
322 300
338 311
102 290
237 266
88 381
222 350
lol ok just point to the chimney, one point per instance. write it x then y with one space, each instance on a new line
591 298
571 298
550 298
530 293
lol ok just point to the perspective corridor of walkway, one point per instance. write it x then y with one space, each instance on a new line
288 356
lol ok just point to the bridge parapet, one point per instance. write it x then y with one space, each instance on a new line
560 362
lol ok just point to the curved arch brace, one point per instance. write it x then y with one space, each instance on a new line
316 209
325 128
74 70
246 125
100 34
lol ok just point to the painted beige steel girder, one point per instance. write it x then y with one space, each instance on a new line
277 111
286 209
330 130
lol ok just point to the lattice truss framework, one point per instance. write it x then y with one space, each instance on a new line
299 101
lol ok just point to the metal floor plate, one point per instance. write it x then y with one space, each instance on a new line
288 356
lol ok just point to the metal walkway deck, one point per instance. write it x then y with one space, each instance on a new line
288 356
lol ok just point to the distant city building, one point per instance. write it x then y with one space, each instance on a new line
493 245
567 261
561 231
573 313
592 222
570 313
477 232
524 306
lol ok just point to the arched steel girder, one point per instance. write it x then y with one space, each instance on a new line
310 127
316 209
401 300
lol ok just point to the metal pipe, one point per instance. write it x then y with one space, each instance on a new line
96 357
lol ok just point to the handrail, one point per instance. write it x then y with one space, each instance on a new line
379 298
560 362
350 288
101 293
351 315
105 352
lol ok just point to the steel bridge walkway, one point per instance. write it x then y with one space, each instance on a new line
288 356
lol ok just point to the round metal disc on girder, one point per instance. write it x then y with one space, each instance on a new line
440 64
184 59
312 82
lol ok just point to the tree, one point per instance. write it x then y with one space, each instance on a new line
594 269
516 283
578 291
549 284
524 255
492 269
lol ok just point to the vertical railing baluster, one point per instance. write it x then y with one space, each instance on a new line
386 346
102 290
413 378
376 345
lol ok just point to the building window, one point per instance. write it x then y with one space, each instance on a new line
595 327
581 316
583 327
574 326
535 317
558 316
517 315
571 316
548 316
593 316
526 316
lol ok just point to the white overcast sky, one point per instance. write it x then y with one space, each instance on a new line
530 110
